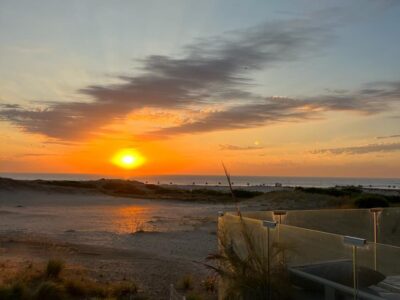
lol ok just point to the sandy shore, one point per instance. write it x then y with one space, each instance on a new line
155 243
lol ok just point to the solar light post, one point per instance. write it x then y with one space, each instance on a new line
375 213
278 216
270 225
354 242
280 213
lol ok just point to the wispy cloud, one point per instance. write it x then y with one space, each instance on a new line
211 71
388 136
239 148
280 109
371 148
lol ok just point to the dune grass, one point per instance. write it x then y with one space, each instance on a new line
54 268
244 270
55 281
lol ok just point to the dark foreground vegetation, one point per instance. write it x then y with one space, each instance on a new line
55 281
348 196
356 196
129 188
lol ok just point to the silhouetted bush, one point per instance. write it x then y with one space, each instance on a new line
70 183
186 282
15 291
50 291
336 192
246 194
370 201
125 290
121 187
209 192
393 199
54 268
76 288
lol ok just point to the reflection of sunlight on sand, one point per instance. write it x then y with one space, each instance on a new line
131 219
151 218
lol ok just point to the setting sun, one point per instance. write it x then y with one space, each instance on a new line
128 159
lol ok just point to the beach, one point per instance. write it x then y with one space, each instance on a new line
153 242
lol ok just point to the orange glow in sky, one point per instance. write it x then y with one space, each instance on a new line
267 93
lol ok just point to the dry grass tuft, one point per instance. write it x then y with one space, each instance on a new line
49 290
56 282
244 268
186 283
54 268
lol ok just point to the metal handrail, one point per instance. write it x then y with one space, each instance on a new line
335 285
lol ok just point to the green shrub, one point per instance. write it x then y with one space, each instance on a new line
370 201
50 291
54 268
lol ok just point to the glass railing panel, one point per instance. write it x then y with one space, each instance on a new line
389 226
259 215
380 265
353 222
321 262
307 246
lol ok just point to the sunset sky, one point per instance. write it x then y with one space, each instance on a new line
291 88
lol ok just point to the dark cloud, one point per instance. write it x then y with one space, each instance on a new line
9 106
234 147
388 136
279 109
241 116
211 70
371 148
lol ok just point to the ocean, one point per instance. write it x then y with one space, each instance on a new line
380 183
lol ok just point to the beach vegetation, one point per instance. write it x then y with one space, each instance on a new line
244 194
16 290
244 270
124 290
49 290
186 282
210 284
38 283
348 191
54 268
194 296
371 201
